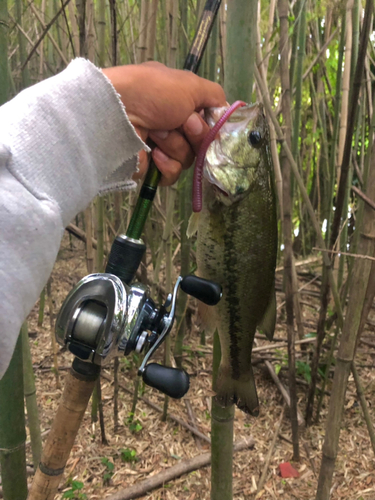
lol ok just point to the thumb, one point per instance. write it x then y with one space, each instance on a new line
195 130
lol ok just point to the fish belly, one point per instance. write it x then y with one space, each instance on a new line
237 248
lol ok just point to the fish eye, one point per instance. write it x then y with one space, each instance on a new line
255 138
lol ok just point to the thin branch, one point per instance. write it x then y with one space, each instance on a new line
356 255
44 33
362 195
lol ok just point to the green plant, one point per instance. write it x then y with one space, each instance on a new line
128 455
108 473
304 370
134 425
75 490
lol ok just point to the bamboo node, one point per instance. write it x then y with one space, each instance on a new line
50 472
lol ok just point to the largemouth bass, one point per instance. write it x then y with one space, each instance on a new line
237 246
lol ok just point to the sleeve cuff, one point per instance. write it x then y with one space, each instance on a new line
70 138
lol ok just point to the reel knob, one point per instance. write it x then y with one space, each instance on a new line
204 290
171 381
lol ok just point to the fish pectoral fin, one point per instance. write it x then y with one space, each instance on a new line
193 224
241 391
268 322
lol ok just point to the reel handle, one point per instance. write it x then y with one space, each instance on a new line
171 381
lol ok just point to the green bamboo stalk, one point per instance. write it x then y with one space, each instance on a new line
294 42
12 429
299 80
238 84
221 439
42 303
12 415
212 52
241 40
25 76
30 398
4 69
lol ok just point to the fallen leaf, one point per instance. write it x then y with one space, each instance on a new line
286 470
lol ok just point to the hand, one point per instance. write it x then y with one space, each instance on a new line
164 104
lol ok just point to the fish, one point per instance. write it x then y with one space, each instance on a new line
237 246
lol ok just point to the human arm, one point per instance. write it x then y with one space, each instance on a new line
61 142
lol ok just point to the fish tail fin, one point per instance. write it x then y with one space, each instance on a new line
241 391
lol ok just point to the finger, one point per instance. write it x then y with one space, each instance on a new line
169 168
195 130
142 132
174 145
207 94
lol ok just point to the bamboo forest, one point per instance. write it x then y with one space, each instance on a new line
156 420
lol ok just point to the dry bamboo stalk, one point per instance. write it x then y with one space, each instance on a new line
151 30
172 39
73 27
267 38
41 56
91 37
274 150
345 88
52 332
89 247
285 394
366 414
142 38
192 419
276 432
184 467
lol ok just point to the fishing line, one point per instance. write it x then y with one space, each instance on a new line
210 137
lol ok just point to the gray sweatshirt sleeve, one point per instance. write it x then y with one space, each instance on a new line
61 142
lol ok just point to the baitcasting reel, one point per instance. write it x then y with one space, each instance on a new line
104 317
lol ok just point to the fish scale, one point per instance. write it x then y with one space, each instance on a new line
237 247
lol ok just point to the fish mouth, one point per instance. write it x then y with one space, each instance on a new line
207 174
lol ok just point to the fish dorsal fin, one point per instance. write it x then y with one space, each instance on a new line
193 224
268 322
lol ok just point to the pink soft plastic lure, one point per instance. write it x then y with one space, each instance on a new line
198 172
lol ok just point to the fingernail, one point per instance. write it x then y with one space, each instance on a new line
158 153
162 134
194 125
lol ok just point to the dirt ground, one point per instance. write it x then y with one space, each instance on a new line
149 446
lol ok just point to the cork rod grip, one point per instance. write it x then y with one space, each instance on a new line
75 398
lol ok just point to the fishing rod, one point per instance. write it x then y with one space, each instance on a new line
107 315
